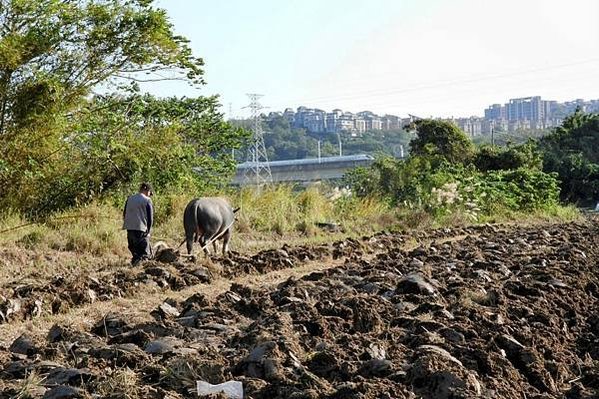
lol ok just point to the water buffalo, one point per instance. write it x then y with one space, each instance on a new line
208 218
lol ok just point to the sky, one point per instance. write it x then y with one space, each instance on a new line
420 57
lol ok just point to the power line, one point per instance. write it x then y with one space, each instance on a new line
424 86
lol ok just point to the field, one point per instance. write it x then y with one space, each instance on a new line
493 311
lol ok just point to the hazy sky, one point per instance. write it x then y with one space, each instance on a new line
423 57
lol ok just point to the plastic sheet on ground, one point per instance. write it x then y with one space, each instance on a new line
232 389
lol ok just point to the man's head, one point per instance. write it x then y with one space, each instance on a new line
146 188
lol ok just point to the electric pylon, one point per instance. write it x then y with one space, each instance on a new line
258 172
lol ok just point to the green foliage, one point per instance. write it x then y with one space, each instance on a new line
515 190
513 157
285 142
445 178
440 188
59 147
118 141
572 151
443 139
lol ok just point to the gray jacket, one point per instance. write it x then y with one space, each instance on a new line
138 213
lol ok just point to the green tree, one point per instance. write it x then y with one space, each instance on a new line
60 146
118 141
490 157
572 151
52 54
443 139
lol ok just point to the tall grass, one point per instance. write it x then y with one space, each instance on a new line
266 218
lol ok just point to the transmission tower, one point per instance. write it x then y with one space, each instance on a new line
258 172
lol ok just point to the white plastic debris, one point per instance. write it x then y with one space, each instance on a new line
233 389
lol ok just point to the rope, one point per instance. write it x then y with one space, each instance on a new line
216 237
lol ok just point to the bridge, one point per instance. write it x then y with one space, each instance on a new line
306 170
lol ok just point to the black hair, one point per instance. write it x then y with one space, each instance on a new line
145 187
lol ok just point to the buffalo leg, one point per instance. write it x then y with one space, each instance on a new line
189 239
226 239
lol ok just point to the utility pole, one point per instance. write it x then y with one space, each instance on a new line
319 151
339 140
259 171
493 136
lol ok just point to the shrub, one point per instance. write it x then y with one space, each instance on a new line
507 158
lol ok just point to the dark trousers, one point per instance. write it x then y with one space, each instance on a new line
139 245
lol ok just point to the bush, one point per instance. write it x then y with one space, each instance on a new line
442 139
490 157
443 189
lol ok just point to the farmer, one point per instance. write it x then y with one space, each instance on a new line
137 220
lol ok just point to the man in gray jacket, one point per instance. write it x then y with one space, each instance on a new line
138 216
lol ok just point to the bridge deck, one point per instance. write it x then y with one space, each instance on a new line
307 170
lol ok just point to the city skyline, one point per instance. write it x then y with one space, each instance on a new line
420 57
515 114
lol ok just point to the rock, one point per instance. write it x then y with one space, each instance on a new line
203 274
166 255
452 335
24 346
415 283
110 325
63 392
17 369
435 373
376 368
510 344
68 376
138 337
56 333
166 311
376 351
163 345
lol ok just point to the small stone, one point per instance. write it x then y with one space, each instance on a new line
162 346
67 376
452 335
203 274
166 310
24 346
376 351
415 283
416 263
63 392
376 368
510 344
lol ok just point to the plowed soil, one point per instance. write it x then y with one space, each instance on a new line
489 312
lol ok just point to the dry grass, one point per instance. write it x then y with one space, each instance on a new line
30 387
122 383
265 217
